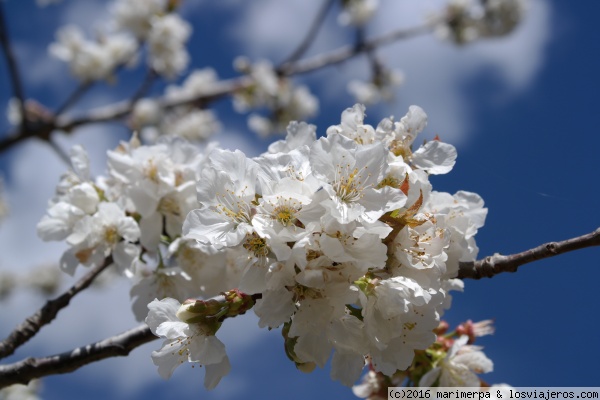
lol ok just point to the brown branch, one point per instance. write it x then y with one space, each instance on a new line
31 326
496 264
69 361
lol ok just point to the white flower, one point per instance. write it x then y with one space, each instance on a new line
166 40
161 283
350 175
22 392
226 190
462 214
459 367
135 15
357 12
422 246
93 60
185 342
76 197
381 88
198 82
299 134
95 237
145 112
159 182
352 126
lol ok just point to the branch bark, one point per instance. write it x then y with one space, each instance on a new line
69 361
32 325
496 264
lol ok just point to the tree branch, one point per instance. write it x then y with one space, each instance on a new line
31 326
69 361
344 53
119 110
312 33
496 264
73 97
13 70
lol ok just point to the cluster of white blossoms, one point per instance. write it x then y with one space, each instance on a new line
132 23
186 121
468 20
278 94
340 240
381 87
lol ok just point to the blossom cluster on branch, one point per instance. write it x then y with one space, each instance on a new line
341 239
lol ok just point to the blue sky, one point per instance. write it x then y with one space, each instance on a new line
521 111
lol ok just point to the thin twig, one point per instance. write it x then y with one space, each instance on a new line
59 152
69 361
344 53
31 326
149 79
312 33
13 69
496 264
73 97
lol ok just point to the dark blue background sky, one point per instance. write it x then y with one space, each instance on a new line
531 154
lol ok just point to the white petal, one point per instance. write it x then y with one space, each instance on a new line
214 373
275 308
476 361
206 350
124 255
167 358
161 311
80 162
151 229
346 367
430 377
435 157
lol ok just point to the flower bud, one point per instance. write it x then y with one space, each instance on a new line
196 311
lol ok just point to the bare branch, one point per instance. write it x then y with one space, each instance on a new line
31 326
13 70
69 361
493 265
